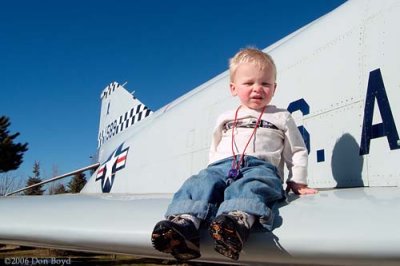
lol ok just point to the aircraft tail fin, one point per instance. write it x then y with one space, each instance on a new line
120 110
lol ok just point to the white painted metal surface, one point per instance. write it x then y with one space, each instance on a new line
346 226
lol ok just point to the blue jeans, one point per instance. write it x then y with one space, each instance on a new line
209 193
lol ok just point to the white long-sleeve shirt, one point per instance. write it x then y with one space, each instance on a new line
276 141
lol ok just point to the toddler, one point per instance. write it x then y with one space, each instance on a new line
245 173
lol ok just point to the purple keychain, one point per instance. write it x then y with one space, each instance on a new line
233 173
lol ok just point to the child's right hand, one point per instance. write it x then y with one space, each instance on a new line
300 189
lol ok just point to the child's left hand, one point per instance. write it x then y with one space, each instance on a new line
300 189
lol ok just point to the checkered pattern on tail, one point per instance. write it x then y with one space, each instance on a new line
123 121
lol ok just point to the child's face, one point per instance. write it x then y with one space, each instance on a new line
255 87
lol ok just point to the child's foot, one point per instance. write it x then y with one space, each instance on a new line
229 232
177 236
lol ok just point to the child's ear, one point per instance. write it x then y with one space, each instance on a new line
232 86
275 85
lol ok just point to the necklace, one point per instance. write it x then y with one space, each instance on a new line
234 172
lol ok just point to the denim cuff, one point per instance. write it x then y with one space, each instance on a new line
200 209
250 206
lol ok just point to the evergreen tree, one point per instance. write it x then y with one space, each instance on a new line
58 189
77 183
34 180
11 153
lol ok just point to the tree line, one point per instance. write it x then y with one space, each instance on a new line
11 156
76 184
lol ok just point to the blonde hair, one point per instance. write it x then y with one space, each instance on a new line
251 55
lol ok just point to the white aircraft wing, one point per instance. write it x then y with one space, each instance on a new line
334 226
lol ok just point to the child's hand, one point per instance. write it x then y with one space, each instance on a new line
300 189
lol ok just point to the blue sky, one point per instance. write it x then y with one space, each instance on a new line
57 56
